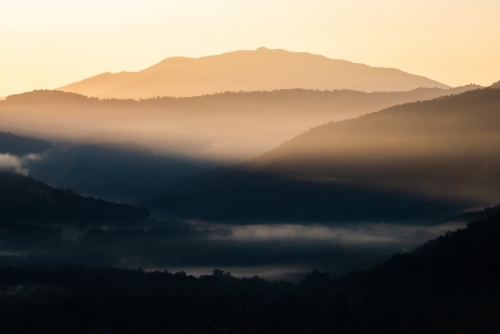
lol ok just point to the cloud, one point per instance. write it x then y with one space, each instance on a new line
16 164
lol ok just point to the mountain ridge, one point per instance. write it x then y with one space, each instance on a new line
230 125
261 69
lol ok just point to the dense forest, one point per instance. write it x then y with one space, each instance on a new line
449 285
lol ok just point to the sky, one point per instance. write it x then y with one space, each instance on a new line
50 43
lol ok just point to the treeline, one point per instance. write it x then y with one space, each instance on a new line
449 285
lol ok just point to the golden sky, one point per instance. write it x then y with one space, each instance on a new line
50 43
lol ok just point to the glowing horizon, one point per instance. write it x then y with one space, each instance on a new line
53 43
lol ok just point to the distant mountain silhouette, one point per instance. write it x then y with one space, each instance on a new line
122 171
441 152
23 198
258 70
227 126
17 145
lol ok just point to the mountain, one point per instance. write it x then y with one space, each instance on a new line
234 195
496 85
23 198
122 171
259 70
446 147
424 158
17 145
468 258
229 126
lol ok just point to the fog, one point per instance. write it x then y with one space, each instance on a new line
270 250
224 127
17 164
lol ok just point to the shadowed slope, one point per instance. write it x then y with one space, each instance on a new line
419 155
23 198
444 147
17 145
116 171
262 69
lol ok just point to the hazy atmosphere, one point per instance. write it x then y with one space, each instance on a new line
249 167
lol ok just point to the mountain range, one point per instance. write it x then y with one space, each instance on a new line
258 70
435 152
229 126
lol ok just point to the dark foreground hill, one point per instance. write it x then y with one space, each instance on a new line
229 125
23 198
449 285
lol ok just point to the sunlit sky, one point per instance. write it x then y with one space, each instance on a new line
50 43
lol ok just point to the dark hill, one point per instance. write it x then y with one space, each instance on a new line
238 196
17 145
121 171
23 198
467 258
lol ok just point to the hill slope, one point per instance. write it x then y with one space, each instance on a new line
222 126
443 147
22 198
431 153
262 69
17 145
116 171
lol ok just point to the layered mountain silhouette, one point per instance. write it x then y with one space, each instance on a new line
442 151
222 126
259 70
23 198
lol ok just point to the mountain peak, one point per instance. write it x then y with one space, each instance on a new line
248 71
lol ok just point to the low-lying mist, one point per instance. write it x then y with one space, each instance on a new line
273 250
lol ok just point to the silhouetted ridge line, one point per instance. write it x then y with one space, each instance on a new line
228 126
262 69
